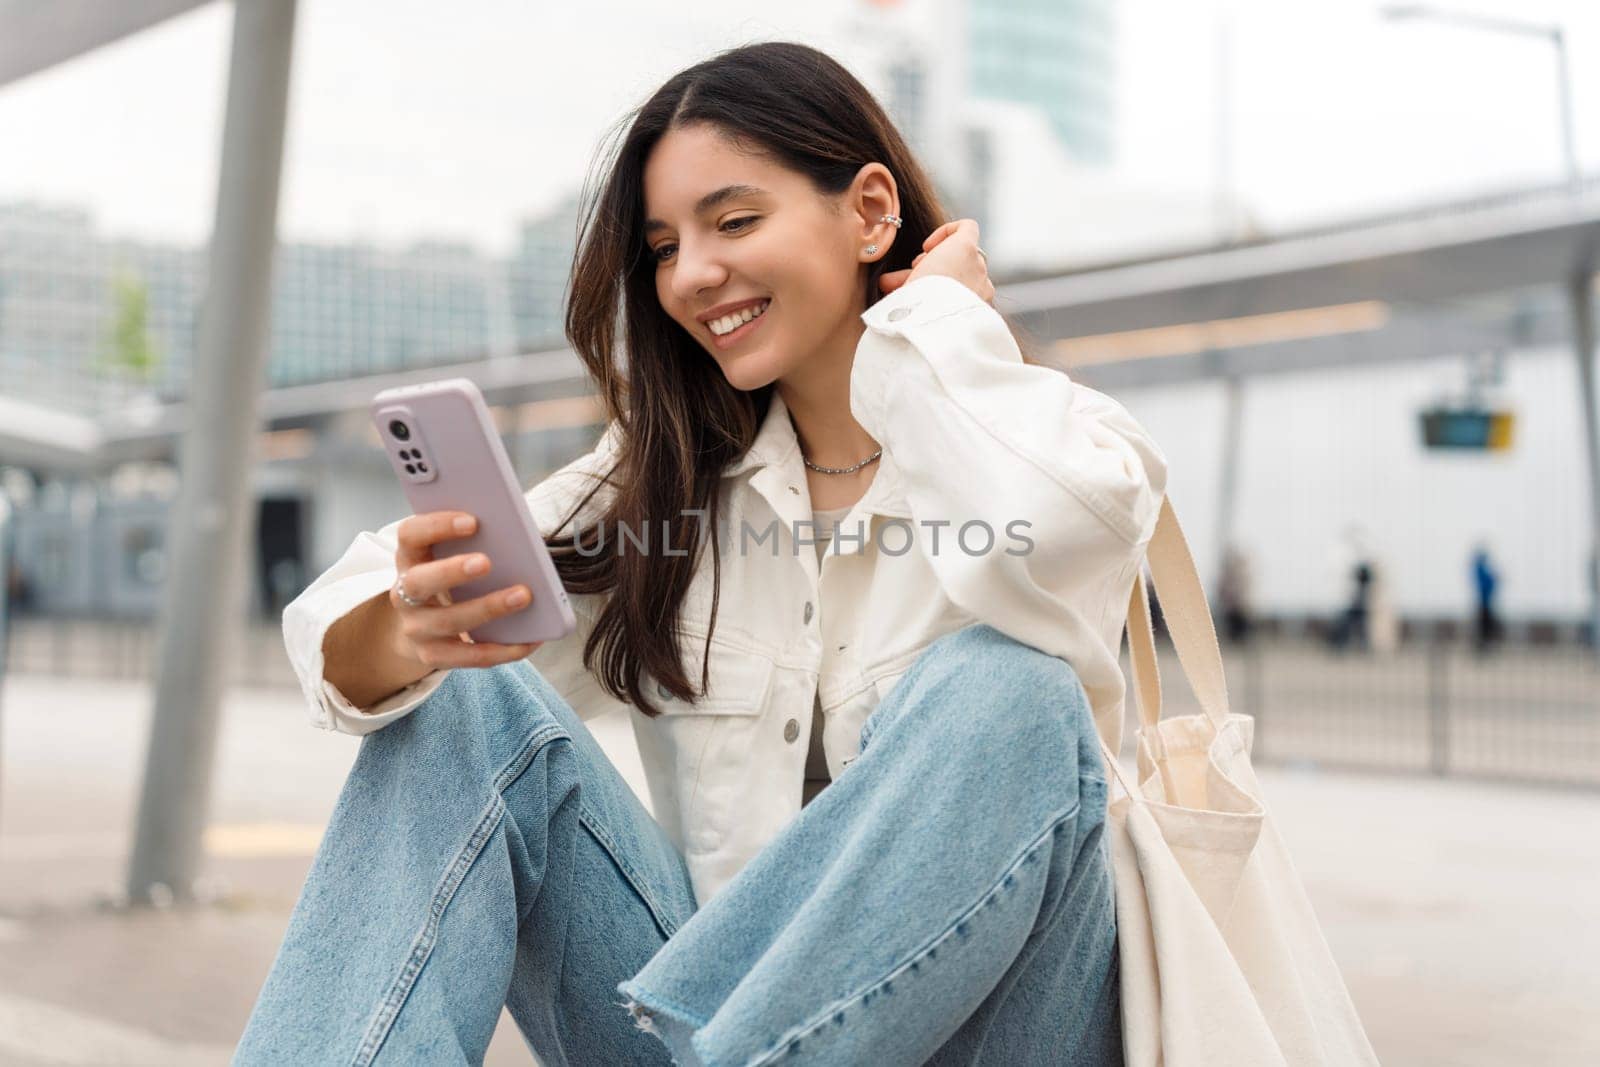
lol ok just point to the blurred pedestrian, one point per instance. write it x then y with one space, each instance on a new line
1233 595
1351 625
1485 579
19 592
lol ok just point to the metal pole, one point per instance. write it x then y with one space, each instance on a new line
1580 298
206 543
1228 490
1569 139
5 604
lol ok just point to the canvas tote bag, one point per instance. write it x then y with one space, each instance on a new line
1223 962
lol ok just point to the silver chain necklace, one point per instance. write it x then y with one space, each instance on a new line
839 470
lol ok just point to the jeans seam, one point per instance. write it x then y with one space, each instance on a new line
598 831
957 926
588 818
525 753
422 945
427 937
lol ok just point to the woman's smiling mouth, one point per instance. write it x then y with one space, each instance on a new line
738 333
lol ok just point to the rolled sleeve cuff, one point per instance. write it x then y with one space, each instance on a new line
305 626
350 719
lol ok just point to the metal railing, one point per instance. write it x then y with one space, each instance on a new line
1524 712
113 649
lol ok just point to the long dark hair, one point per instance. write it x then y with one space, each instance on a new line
680 421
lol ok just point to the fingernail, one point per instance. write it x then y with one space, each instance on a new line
463 524
517 598
476 565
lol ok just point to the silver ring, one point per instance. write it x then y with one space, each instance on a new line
985 257
400 591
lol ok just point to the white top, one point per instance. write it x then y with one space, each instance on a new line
1068 483
817 776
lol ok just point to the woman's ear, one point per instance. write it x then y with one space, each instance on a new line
873 195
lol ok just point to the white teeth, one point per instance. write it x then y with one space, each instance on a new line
728 323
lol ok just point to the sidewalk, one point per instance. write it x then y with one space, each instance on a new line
1466 916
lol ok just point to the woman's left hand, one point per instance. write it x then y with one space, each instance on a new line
951 250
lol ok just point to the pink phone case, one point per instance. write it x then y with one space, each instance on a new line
443 446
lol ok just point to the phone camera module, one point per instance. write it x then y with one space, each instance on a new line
400 430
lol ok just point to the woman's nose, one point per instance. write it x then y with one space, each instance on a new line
695 273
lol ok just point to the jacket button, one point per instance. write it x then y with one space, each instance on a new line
896 314
791 730
662 691
808 612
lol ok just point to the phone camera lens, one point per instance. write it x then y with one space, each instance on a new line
401 431
423 467
410 469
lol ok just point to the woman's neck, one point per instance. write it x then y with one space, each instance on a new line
829 435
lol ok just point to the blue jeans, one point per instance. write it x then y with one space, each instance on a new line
947 900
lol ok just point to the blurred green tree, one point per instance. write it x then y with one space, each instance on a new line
130 352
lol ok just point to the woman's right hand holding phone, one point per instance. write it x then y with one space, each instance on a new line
435 634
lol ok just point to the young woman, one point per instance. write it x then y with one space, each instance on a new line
942 660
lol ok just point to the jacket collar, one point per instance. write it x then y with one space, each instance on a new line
777 447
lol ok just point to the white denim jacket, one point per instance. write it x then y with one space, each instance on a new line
1068 482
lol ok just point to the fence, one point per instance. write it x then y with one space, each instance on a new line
1529 713
97 648
1525 712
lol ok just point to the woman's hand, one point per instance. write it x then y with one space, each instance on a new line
951 250
435 635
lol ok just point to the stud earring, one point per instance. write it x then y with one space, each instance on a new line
871 249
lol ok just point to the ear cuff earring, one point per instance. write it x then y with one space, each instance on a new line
894 220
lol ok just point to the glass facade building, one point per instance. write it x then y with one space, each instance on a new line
339 311
1058 55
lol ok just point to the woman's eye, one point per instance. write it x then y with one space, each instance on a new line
661 251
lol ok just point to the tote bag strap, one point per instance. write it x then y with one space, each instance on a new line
1188 619
1142 656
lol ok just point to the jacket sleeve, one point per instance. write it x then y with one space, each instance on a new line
979 435
367 570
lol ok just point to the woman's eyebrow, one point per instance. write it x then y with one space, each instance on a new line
709 201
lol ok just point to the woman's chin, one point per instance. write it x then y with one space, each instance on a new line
749 371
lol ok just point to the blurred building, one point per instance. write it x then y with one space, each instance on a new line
346 310
58 286
538 274
1012 108
1057 57
338 310
93 326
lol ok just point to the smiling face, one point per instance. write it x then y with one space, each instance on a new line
769 236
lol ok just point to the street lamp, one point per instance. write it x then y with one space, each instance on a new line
1552 33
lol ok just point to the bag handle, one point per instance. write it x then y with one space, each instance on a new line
1188 618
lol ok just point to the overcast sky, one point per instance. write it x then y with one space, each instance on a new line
408 122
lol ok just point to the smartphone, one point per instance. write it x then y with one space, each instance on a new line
443 447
